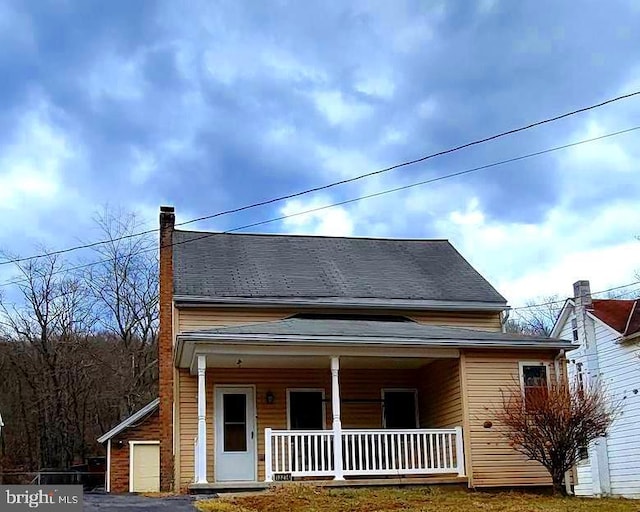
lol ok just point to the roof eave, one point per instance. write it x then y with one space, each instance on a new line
127 422
346 340
186 301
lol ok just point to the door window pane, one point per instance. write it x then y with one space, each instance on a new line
305 410
234 411
400 409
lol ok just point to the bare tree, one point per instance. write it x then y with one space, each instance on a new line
78 348
538 316
124 285
553 425
44 330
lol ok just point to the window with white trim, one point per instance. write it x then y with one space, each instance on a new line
534 380
574 330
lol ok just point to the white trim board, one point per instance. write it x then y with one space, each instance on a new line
131 420
131 445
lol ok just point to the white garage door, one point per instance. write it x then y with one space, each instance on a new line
145 467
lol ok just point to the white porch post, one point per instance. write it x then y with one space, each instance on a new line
201 463
337 424
460 452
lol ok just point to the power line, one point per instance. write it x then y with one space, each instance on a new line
356 199
335 183
562 301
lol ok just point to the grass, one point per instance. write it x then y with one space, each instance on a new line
306 498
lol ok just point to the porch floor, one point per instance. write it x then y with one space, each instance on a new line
227 487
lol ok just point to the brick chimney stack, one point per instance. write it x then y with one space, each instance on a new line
598 454
165 347
582 294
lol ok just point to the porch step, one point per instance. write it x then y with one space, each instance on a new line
233 487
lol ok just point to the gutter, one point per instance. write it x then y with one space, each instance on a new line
186 301
307 340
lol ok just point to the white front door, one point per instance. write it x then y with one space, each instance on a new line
235 419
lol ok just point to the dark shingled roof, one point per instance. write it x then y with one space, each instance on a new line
291 266
312 329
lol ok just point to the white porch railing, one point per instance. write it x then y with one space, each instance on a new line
377 452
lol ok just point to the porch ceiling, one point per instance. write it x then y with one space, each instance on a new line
317 361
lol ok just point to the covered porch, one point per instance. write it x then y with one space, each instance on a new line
276 412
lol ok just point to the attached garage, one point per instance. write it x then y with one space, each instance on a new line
133 452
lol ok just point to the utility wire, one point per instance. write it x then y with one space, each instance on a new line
336 183
353 200
562 301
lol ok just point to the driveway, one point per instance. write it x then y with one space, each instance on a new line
124 503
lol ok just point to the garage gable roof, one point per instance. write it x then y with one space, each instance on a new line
131 420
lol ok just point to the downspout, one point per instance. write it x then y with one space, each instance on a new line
556 365
107 476
557 368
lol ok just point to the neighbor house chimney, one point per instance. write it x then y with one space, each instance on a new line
598 454
165 347
582 294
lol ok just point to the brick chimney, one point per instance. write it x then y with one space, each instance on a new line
582 294
165 347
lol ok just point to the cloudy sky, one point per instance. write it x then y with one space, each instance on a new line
215 104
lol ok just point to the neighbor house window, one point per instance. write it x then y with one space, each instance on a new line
574 329
580 378
534 380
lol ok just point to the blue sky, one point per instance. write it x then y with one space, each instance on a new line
211 105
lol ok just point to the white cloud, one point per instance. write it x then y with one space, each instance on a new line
330 222
31 166
143 166
339 110
37 176
532 260
116 77
377 85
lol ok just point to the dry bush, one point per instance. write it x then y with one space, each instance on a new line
554 424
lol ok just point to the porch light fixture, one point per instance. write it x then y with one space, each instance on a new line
270 397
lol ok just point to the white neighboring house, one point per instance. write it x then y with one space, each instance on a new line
607 337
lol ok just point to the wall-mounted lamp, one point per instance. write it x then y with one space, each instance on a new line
270 397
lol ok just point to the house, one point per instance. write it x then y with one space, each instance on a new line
289 357
606 336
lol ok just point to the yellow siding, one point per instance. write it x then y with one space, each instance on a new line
493 462
193 319
439 395
354 384
190 319
486 321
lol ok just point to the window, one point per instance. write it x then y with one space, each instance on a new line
235 422
534 380
574 329
306 409
399 409
580 378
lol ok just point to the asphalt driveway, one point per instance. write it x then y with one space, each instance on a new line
124 503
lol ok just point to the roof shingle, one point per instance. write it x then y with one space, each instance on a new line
293 266
621 315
